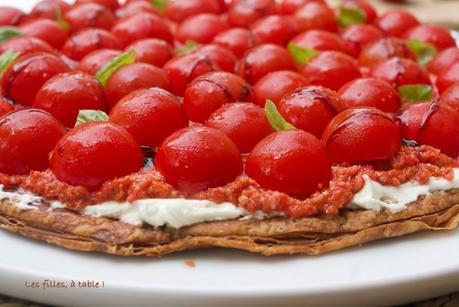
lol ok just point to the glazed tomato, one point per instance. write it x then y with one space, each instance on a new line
225 59
368 92
5 106
290 161
152 51
10 16
316 15
370 12
310 108
450 97
277 84
134 8
288 7
86 41
197 158
244 123
150 115
179 10
133 77
443 60
143 25
238 40
47 9
448 77
331 69
182 70
360 35
320 40
263 59
25 45
243 13
210 91
209 25
27 137
431 34
46 29
432 124
94 152
384 49
274 29
89 15
399 71
94 61
30 72
361 134
110 4
65 94
396 22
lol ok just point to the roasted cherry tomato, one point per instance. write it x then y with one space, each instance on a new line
225 59
95 152
263 59
134 8
5 106
84 42
244 123
399 71
46 29
450 97
150 115
25 45
210 91
133 77
361 134
89 15
290 161
370 12
331 69
443 60
396 22
310 108
274 29
432 124
384 49
276 84
320 40
65 94
238 40
10 16
152 51
360 35
22 79
448 77
243 13
110 4
47 9
179 10
27 137
288 7
316 15
197 158
94 61
368 92
209 25
431 34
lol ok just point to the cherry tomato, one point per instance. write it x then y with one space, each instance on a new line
331 69
94 152
360 35
274 29
209 25
290 161
368 92
431 34
5 106
133 77
10 16
399 71
263 59
432 124
179 10
450 97
134 8
25 45
448 77
361 134
222 57
197 158
65 94
47 9
182 70
310 108
152 51
27 137
150 115
95 60
89 15
443 60
47 30
86 41
30 72
110 4
316 15
320 40
238 40
243 13
210 91
288 7
370 12
384 49
395 22
276 84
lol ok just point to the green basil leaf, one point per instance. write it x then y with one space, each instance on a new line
416 92
275 118
6 58
104 74
424 52
300 54
351 16
8 32
160 5
60 20
189 47
85 116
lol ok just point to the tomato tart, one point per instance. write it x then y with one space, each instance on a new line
276 127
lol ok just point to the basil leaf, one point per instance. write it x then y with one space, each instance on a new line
351 16
85 116
300 54
160 5
104 74
424 52
6 58
275 119
60 20
189 47
8 32
416 92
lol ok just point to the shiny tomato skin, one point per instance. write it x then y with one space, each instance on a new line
152 51
238 40
86 41
5 106
361 134
360 35
310 108
210 91
197 158
288 7
395 22
244 123
450 97
316 16
368 92
133 77
369 10
89 15
399 71
243 13
263 59
47 9
432 34
10 16
320 40
225 59
179 10
30 72
65 94
109 4
27 137
276 84
443 60
274 29
150 115
93 153
134 8
290 161
209 25
448 77
384 49
47 30
331 69
25 45
94 61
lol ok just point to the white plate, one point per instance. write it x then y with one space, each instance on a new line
389 272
